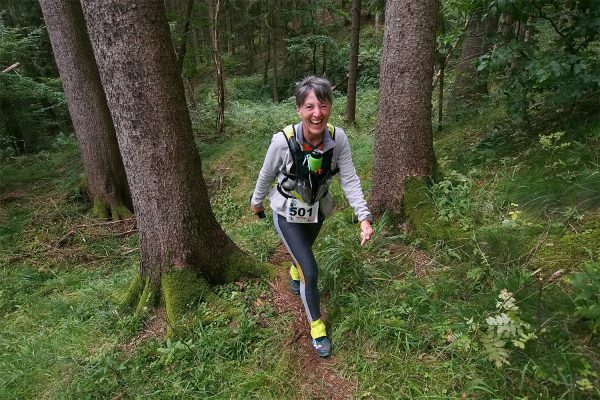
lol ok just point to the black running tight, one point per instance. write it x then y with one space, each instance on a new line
299 238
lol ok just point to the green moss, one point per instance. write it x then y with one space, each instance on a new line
147 298
418 209
569 251
421 215
100 209
133 292
120 212
181 290
83 185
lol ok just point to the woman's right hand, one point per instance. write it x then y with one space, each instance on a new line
257 209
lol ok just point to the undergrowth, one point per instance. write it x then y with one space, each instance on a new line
410 316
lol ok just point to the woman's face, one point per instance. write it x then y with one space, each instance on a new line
314 114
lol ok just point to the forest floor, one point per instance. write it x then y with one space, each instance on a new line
318 377
409 314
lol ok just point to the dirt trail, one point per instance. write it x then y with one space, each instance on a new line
317 377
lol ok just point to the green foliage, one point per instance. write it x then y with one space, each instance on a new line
32 110
559 67
456 199
587 299
504 327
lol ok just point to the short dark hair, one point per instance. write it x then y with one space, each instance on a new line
320 86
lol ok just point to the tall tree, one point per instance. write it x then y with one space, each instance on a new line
184 35
213 14
181 244
273 41
353 72
106 181
403 139
469 84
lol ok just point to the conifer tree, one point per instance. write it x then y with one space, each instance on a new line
105 181
403 138
182 247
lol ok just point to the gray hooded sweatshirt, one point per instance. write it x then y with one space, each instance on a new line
278 162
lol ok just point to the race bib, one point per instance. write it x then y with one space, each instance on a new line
299 212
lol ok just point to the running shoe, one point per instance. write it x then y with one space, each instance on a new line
322 346
294 280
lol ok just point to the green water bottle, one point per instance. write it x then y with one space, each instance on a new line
315 160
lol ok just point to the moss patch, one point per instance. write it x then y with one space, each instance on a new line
100 208
569 251
421 215
133 292
181 290
119 212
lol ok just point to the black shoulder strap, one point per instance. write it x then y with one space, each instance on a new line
289 132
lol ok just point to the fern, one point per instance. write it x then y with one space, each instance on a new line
503 328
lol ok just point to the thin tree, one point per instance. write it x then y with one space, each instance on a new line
182 247
353 72
105 182
184 35
403 138
273 40
213 13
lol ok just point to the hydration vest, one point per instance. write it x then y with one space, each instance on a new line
302 183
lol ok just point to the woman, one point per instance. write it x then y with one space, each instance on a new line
302 159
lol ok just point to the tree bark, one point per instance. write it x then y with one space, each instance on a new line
105 175
353 72
213 11
403 138
177 228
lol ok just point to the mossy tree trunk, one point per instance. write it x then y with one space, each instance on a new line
403 138
182 246
105 181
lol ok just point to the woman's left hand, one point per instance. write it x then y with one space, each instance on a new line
366 231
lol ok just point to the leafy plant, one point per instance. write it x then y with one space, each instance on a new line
587 300
456 199
503 328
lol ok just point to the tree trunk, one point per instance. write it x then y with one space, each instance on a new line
441 95
469 85
274 75
353 72
184 35
213 11
403 138
106 182
179 235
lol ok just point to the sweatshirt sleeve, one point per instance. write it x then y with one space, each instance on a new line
268 172
350 181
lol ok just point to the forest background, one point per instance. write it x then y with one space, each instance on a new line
487 285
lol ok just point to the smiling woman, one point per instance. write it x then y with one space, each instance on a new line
303 158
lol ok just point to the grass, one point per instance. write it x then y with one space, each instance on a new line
406 313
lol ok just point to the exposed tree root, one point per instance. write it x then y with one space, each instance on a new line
116 212
181 290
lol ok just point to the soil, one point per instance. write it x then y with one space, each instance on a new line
154 327
318 377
